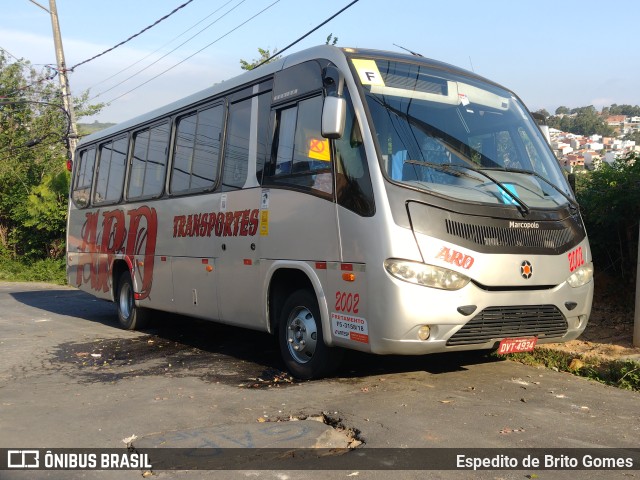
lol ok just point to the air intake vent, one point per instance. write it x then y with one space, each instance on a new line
510 237
496 323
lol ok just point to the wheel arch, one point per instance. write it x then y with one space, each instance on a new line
286 277
119 266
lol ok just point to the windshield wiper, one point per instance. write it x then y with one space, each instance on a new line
442 138
571 201
446 166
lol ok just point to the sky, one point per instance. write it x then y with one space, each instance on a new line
551 53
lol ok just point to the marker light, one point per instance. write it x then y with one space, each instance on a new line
426 275
581 276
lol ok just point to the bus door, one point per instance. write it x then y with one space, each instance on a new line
298 212
347 286
237 263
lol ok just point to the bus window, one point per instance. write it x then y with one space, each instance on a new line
236 157
149 162
197 151
303 156
84 177
353 184
247 138
111 168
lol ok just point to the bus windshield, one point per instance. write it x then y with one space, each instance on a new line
460 137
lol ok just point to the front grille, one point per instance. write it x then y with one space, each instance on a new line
495 323
510 237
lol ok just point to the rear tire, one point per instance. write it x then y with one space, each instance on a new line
130 316
301 341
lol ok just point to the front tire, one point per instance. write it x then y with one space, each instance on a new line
130 316
301 341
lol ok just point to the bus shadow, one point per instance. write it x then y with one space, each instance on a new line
262 348
71 303
239 355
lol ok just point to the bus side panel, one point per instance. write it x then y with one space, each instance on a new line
347 300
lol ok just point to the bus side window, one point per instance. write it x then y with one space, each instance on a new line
84 177
236 156
353 183
111 168
197 151
149 162
303 156
247 138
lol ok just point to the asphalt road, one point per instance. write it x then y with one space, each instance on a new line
70 378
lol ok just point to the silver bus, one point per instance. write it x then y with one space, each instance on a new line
339 199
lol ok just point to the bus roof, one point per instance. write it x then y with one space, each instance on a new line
334 54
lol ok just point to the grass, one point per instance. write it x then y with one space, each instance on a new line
619 373
47 270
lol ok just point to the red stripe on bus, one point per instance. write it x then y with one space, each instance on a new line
321 265
247 261
346 266
205 261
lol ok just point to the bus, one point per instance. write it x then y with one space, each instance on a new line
338 199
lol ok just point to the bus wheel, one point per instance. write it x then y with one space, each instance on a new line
300 337
131 317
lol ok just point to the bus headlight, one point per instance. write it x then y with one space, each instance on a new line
581 276
426 275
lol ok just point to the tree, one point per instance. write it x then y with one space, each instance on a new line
33 179
265 54
581 121
610 200
544 112
588 122
331 40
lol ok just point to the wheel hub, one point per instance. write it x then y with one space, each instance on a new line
302 334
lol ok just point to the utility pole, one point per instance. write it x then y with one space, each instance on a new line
62 73
636 322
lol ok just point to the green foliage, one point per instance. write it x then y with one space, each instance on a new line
581 121
49 270
629 110
331 40
34 183
610 200
619 373
264 55
85 129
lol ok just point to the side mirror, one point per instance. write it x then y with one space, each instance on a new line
335 107
333 117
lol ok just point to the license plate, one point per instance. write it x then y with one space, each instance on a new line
517 345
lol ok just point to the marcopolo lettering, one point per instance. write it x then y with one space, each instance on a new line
524 225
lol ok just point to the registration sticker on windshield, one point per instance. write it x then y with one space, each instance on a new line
368 72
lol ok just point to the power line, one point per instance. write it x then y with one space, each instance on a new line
169 52
161 47
308 33
132 36
195 53
9 53
25 64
